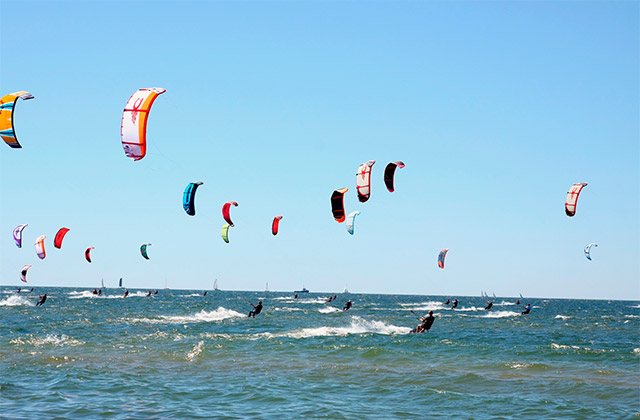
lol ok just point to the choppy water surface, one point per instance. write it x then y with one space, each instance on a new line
184 355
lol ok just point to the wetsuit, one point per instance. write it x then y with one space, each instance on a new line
256 310
425 324
43 299
518 302
455 304
447 302
527 309
347 306
100 292
149 293
126 293
205 293
489 306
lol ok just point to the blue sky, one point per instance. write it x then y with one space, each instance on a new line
495 107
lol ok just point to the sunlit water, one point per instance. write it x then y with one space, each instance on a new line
179 354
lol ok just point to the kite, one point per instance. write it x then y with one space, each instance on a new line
133 128
17 235
143 251
40 247
189 197
7 105
587 250
350 219
275 225
23 273
87 253
441 257
57 241
337 204
225 232
389 173
363 181
572 198
225 211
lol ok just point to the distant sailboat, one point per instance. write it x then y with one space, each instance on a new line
102 281
215 284
267 287
120 283
345 289
166 284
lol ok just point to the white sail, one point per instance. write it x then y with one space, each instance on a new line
215 284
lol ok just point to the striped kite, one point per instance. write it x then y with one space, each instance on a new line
133 128
363 180
17 235
337 204
441 258
7 105
572 198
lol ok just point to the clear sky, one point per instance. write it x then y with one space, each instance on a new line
495 107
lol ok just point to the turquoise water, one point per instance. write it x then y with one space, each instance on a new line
179 354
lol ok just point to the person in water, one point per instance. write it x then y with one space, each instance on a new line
489 306
43 299
455 304
527 309
517 301
205 293
95 291
19 289
425 323
99 292
347 306
295 296
148 293
126 293
256 309
447 302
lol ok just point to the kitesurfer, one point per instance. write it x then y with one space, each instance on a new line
517 301
527 309
447 302
155 292
455 304
19 289
256 309
126 293
295 296
347 306
205 293
95 291
489 306
99 292
425 323
43 299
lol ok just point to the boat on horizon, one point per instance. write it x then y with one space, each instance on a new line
304 290
215 285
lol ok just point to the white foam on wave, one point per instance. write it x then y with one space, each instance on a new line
469 309
15 300
195 352
632 316
635 306
358 326
329 310
48 340
563 317
501 314
556 346
219 314
504 303
636 350
287 309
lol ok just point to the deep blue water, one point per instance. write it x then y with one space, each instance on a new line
179 354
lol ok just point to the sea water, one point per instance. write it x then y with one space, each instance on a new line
183 355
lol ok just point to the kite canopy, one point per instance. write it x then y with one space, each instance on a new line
363 181
225 211
133 128
389 173
225 232
337 204
275 225
23 273
587 250
441 258
350 219
143 251
57 241
7 105
572 198
189 197
87 253
40 247
17 235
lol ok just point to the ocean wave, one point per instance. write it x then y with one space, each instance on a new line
563 317
219 314
195 352
635 306
504 303
287 309
528 366
48 340
86 294
358 326
15 300
556 346
329 310
495 314
632 316
636 350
